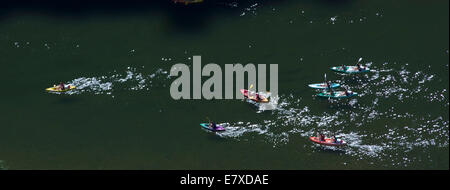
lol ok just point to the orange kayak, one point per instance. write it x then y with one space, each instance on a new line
328 142
252 96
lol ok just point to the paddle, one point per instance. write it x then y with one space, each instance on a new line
209 121
326 82
329 88
360 59
251 86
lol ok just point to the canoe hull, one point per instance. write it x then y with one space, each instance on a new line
206 126
338 95
250 96
349 69
327 142
54 89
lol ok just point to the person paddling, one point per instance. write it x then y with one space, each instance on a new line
213 125
320 136
360 68
328 85
358 65
332 93
258 97
334 139
61 86
348 92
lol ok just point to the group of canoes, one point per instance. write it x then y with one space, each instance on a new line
328 87
254 96
328 92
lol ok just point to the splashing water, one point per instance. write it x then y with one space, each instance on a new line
380 86
134 81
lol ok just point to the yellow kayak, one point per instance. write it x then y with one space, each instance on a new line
56 89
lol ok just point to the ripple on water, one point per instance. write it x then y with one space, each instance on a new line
291 120
133 80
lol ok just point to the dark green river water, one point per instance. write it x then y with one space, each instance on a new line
122 116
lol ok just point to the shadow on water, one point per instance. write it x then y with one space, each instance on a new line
330 150
184 17
64 99
214 136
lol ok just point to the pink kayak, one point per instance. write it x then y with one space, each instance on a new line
252 96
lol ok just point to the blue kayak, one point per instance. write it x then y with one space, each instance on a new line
337 94
350 69
323 85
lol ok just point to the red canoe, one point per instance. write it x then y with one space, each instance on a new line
327 142
253 97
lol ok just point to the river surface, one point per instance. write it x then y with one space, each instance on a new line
121 116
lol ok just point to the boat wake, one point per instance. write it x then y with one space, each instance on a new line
131 80
362 122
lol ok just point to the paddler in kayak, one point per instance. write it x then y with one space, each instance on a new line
258 97
328 85
331 91
360 68
320 136
348 92
328 90
212 125
335 140
61 86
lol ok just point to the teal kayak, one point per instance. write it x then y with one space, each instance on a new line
323 85
206 126
337 94
350 69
